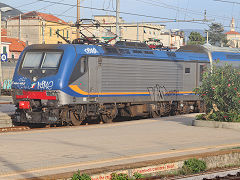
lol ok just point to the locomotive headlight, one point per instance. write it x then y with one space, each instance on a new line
34 78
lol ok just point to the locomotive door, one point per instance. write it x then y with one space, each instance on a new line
190 72
94 77
201 69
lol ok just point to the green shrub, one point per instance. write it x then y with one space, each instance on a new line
137 175
78 176
201 117
193 166
220 91
120 176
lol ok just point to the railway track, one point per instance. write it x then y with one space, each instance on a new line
220 174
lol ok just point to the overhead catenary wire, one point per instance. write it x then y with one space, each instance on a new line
27 4
47 6
168 6
165 5
107 10
225 1
173 20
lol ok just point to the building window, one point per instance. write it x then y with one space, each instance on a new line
4 49
63 33
67 34
50 32
12 56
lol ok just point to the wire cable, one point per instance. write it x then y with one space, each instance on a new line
99 9
27 4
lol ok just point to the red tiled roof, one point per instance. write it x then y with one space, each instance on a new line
38 15
16 45
4 32
232 32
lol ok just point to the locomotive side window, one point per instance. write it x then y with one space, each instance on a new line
79 69
187 70
32 60
83 65
51 59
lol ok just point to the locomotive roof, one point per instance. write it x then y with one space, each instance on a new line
207 48
137 50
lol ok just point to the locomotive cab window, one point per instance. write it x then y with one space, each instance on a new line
32 60
39 63
51 60
41 60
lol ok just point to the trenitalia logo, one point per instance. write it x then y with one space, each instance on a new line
33 85
90 51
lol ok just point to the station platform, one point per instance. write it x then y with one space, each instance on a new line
44 152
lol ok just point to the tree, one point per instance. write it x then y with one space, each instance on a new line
216 35
195 38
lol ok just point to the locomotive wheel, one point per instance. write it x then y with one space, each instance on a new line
155 114
109 115
75 119
106 118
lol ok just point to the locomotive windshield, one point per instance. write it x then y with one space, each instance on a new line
42 60
32 60
39 63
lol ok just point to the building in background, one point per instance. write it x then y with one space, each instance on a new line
153 34
38 28
11 46
233 37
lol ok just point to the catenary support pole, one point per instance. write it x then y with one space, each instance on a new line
19 35
117 19
78 18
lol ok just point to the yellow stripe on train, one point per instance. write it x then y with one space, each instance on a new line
80 91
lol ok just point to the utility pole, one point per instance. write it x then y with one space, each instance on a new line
78 18
205 15
117 19
0 51
137 31
207 36
19 35
43 29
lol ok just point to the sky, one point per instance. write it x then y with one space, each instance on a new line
160 11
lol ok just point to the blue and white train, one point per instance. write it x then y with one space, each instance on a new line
69 83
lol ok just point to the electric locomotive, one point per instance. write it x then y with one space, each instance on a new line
70 83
